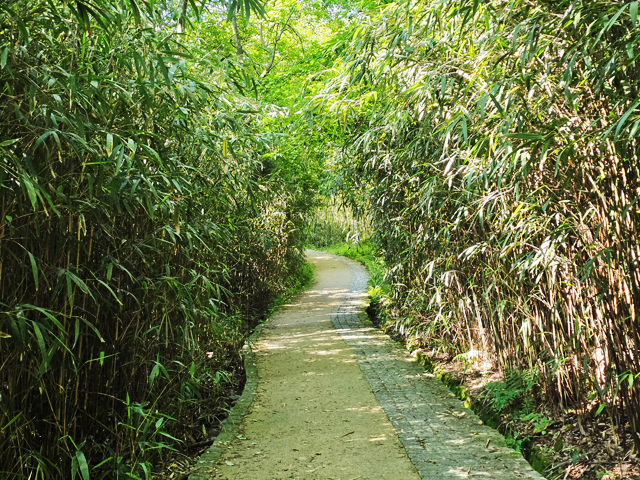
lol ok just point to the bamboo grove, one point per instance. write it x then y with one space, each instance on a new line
495 145
141 236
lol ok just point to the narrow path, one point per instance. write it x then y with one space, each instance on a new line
337 399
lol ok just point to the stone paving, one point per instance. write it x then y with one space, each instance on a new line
442 438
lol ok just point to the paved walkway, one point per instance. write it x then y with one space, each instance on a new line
315 416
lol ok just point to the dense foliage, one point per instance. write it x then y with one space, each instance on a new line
495 145
150 214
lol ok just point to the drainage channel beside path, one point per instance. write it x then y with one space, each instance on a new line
337 399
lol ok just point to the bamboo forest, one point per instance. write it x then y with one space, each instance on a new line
165 164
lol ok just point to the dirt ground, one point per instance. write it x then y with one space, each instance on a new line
314 415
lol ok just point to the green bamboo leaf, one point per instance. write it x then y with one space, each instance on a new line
163 69
22 28
525 136
109 144
195 8
43 349
136 11
609 25
633 11
109 288
3 57
34 269
95 330
11 421
154 373
42 138
46 313
624 118
77 332
30 190
496 103
165 434
106 460
69 289
82 463
81 285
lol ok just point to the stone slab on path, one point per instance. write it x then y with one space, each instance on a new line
337 399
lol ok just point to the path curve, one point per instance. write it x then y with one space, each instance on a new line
337 399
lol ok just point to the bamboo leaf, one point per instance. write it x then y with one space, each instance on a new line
163 70
46 313
154 373
81 285
11 421
44 366
95 330
109 144
26 181
82 463
77 332
609 25
525 136
496 103
23 30
109 288
6 143
106 460
624 118
34 269
136 15
3 58
69 289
